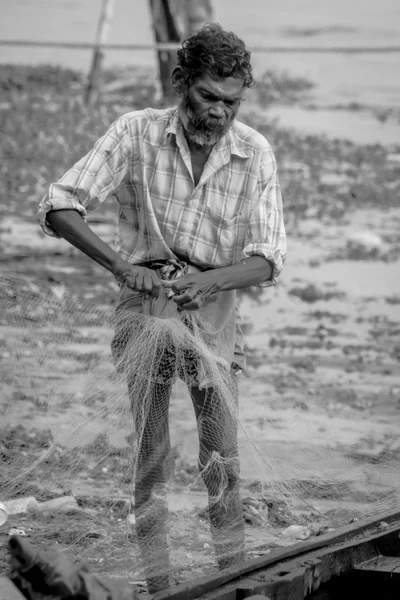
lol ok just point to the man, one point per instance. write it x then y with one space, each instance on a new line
198 193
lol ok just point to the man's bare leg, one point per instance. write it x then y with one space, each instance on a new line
150 406
219 467
152 470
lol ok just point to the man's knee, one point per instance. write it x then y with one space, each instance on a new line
220 471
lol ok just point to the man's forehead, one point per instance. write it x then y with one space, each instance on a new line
230 86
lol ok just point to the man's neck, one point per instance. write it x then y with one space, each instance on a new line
200 149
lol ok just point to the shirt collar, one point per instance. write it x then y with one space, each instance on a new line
229 144
172 126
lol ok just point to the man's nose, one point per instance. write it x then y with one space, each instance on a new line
217 111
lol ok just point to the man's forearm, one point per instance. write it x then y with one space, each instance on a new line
70 225
250 271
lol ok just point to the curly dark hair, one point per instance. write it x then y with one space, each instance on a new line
217 52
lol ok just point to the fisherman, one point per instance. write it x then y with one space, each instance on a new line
198 196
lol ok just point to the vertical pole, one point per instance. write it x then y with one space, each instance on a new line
103 29
170 25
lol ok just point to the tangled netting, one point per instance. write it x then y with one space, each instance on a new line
94 407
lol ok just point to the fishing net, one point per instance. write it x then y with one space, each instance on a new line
133 420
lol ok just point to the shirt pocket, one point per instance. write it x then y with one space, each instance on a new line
225 233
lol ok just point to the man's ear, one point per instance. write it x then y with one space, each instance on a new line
178 81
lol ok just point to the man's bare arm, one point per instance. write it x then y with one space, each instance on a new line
194 289
250 271
69 224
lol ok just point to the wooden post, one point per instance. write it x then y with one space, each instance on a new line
103 28
173 21
170 25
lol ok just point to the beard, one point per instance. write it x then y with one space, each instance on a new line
202 131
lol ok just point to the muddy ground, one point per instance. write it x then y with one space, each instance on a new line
320 401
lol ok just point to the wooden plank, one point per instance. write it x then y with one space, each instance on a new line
289 586
305 575
8 591
169 20
295 578
202 585
389 565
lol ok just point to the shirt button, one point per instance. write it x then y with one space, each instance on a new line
181 238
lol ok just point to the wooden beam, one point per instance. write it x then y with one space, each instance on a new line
8 591
306 574
169 19
202 585
173 21
388 566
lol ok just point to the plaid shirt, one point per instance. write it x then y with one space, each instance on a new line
143 161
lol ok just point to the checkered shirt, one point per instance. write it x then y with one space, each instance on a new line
143 161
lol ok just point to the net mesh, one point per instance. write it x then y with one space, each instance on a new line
134 417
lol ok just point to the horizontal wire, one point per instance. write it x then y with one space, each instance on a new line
176 46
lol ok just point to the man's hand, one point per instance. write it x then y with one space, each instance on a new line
138 278
192 291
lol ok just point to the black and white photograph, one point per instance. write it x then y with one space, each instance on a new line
199 300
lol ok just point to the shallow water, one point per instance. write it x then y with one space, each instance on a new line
358 127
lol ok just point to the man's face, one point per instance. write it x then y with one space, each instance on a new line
208 108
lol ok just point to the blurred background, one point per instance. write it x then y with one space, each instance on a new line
352 81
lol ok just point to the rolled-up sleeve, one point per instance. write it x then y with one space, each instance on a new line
266 230
92 179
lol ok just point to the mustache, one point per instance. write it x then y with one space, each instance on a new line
202 129
206 123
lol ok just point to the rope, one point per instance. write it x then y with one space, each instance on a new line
254 49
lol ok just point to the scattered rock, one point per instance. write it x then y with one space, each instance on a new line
297 532
17 531
304 532
64 504
393 157
305 363
255 511
311 293
364 245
